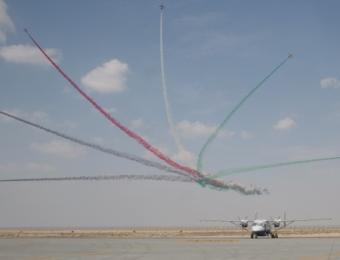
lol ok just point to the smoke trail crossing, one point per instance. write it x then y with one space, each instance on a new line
214 184
96 146
115 122
221 186
235 109
269 166
200 178
169 117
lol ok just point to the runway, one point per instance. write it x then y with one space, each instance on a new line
170 249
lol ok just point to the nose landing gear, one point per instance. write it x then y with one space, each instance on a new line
253 235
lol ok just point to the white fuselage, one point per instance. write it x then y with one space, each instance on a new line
261 228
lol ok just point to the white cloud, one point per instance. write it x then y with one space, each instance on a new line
107 78
27 54
6 24
285 124
194 129
59 148
198 129
137 123
185 156
330 82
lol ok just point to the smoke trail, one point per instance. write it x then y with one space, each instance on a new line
133 177
169 117
115 122
269 166
97 147
211 183
106 178
221 186
237 107
200 178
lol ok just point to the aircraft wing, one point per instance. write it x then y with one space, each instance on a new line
306 220
234 222
288 222
310 219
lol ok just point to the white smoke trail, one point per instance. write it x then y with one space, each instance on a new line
180 147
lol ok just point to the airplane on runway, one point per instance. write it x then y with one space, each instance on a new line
263 227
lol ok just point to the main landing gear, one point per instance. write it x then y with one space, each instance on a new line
274 235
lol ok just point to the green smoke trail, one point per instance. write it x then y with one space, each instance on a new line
199 164
268 166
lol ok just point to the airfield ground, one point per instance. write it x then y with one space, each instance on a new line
211 248
185 232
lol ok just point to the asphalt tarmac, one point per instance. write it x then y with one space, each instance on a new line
171 249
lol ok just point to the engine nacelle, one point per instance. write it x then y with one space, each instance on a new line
244 223
276 223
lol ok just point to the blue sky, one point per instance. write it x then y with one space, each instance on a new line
215 52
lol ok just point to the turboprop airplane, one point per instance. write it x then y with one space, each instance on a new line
264 227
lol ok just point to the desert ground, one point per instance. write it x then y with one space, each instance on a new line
175 232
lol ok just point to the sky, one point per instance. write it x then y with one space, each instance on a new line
215 52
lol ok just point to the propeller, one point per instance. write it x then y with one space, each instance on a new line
243 222
284 219
277 221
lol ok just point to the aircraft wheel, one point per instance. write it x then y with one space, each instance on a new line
253 235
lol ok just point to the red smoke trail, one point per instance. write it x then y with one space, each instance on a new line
115 122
